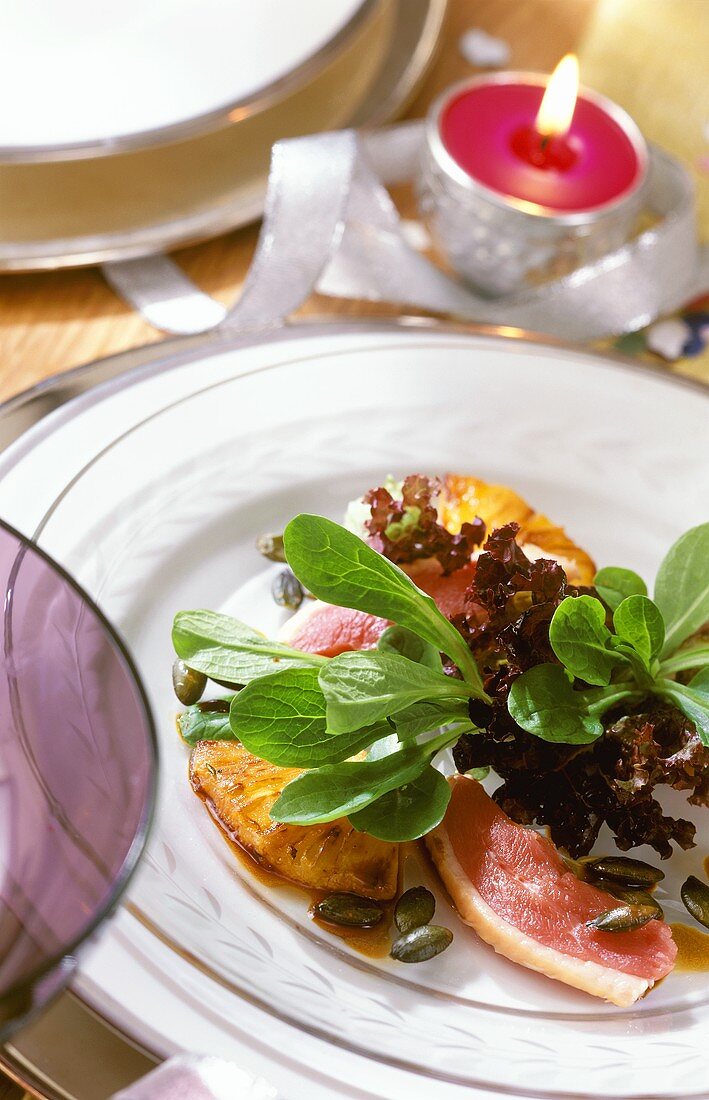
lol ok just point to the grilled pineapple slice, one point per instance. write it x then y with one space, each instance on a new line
240 789
464 498
543 539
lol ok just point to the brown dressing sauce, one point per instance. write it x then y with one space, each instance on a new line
692 948
374 942
258 870
692 943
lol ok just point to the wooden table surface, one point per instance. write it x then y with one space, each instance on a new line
51 322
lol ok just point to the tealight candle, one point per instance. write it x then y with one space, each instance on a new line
523 181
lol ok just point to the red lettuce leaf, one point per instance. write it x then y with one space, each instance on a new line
571 789
408 530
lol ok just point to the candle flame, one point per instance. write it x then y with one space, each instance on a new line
559 102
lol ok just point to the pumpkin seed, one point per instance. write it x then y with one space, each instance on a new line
695 895
215 706
287 590
227 684
626 871
631 895
421 944
414 908
271 546
349 909
623 919
189 684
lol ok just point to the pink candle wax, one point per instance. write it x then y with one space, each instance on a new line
488 129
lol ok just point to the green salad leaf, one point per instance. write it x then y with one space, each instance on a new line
687 657
425 716
682 587
544 702
399 640
226 649
638 621
336 566
692 699
614 585
700 682
338 790
581 640
408 812
366 687
208 721
282 718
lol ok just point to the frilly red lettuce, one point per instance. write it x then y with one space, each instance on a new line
505 619
407 530
571 789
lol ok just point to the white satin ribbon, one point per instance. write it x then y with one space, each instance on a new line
161 291
330 225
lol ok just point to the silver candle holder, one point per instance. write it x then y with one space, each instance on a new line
502 244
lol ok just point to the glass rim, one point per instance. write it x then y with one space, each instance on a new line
118 886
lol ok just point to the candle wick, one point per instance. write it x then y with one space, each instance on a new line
545 141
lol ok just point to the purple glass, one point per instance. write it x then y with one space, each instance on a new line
77 774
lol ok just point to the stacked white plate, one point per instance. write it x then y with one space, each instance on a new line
135 127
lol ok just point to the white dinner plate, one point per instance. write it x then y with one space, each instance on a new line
151 490
86 79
